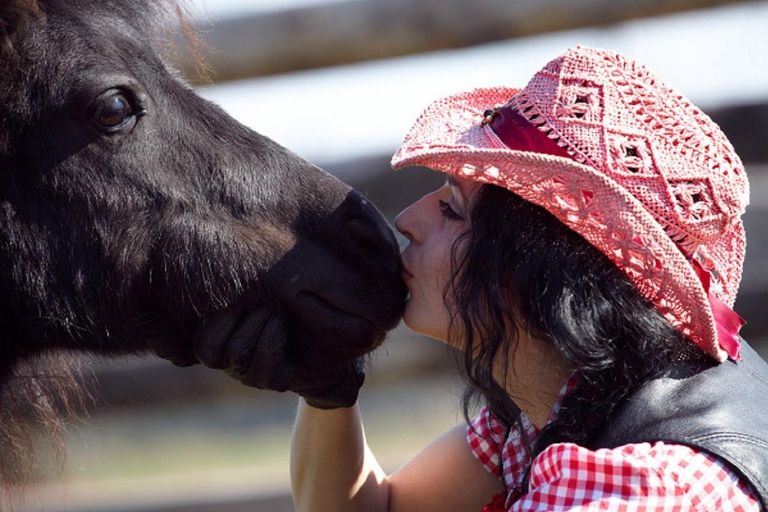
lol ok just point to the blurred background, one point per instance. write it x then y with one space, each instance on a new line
340 83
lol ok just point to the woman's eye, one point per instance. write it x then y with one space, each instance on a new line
448 212
113 112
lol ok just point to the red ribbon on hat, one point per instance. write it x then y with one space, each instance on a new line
728 322
518 133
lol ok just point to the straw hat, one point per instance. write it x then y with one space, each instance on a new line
637 170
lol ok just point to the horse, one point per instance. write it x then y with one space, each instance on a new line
133 212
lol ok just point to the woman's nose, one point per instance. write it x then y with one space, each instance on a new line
403 222
410 222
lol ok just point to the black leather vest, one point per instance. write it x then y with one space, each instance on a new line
719 408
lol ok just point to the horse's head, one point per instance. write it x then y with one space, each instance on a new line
131 209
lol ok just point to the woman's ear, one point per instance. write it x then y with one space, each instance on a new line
14 17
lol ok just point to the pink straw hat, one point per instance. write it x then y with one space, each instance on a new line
635 168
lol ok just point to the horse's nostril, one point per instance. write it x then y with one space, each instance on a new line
364 233
365 238
373 241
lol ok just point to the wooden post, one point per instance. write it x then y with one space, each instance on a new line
359 30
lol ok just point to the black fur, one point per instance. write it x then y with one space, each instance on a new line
118 239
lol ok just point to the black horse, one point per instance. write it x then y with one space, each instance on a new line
132 212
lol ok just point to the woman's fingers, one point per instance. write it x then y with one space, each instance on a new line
245 339
258 352
253 348
210 340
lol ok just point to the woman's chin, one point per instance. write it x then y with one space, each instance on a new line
416 321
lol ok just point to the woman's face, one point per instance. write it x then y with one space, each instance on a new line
431 225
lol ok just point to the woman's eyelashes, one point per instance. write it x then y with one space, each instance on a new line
447 211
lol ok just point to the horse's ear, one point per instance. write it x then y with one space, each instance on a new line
14 17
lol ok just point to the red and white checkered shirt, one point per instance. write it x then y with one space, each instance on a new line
639 477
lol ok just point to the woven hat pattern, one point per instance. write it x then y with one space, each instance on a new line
652 183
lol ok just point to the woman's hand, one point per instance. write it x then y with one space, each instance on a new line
252 347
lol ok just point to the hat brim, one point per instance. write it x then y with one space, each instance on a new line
449 137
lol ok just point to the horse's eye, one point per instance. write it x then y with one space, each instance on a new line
113 112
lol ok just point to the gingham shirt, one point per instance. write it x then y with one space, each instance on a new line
639 477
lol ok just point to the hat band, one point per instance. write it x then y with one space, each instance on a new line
516 132
727 321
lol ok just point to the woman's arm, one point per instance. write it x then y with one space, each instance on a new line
332 469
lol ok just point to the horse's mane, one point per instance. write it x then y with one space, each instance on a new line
193 43
14 17
42 394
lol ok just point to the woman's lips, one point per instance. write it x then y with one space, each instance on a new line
407 276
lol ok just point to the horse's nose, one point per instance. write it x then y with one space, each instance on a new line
369 239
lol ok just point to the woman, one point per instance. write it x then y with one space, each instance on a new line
583 254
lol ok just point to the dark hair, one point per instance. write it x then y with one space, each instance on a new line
519 269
